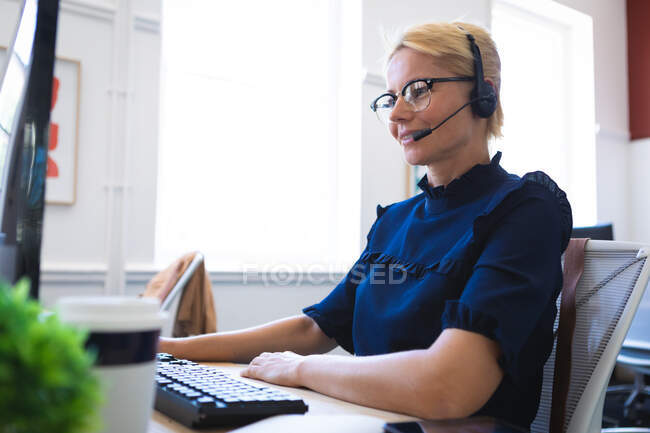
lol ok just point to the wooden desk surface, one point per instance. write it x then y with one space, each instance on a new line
319 405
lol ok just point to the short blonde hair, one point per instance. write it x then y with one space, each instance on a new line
449 46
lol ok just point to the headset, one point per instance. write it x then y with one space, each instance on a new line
483 98
483 95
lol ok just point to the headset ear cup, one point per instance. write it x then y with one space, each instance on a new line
486 102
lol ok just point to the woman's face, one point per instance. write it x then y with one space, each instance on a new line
446 141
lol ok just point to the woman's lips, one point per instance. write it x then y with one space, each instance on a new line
406 139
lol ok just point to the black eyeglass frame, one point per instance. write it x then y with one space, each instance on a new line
429 82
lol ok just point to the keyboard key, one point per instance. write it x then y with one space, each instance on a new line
231 399
206 401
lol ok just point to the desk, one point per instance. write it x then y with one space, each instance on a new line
326 414
319 405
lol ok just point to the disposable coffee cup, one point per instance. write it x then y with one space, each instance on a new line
123 332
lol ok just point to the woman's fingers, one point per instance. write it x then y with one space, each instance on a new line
277 367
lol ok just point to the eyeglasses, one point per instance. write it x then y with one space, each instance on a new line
416 93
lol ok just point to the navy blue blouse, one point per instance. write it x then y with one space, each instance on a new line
481 254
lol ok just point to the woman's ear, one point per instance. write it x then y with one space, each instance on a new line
492 84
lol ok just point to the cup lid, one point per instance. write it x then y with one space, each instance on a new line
111 313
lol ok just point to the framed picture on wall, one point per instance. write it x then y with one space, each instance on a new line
61 180
61 187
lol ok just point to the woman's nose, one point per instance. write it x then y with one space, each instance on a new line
401 111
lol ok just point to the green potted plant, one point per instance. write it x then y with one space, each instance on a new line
46 382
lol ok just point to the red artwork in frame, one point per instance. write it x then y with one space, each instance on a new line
61 178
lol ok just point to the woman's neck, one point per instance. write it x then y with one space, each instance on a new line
443 171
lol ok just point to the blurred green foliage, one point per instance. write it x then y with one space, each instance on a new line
46 382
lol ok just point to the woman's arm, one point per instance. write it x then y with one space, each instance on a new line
298 334
453 378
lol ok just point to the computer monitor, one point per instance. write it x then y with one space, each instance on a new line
25 98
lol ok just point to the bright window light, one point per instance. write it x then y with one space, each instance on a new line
257 166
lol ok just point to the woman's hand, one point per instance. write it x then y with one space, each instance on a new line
280 368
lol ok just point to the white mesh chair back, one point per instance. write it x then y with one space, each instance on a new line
173 299
638 336
614 278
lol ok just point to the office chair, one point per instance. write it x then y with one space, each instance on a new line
607 296
635 355
604 232
170 303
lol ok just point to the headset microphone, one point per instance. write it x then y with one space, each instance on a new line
418 135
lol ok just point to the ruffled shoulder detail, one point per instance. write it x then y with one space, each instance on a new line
391 234
381 210
534 184
541 178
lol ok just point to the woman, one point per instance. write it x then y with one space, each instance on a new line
450 307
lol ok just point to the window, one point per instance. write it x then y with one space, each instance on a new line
547 94
260 133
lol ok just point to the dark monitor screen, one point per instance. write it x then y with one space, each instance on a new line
25 98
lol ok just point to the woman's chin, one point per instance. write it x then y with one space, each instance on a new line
413 157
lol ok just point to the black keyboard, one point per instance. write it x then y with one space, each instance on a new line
200 396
